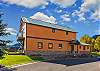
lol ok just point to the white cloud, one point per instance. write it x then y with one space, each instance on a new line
59 11
87 6
75 21
35 3
43 17
81 19
27 3
80 16
65 17
96 14
97 31
43 7
64 3
12 31
91 4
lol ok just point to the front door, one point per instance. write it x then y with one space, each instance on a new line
72 48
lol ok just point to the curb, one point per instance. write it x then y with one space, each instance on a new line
15 66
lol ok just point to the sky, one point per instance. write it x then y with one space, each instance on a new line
83 16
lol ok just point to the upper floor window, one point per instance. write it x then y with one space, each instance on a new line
66 32
53 30
83 47
50 45
80 47
60 46
40 45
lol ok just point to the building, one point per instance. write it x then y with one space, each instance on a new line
48 39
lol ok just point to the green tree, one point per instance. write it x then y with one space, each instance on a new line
97 43
3 32
89 40
86 39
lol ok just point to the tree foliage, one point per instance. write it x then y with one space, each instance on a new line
3 32
86 39
94 43
1 53
97 43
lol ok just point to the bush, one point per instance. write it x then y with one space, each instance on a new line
95 53
1 53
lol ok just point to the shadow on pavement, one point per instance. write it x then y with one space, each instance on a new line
73 61
5 69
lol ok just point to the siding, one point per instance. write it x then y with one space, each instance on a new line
44 32
32 45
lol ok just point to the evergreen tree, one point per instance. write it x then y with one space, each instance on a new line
3 32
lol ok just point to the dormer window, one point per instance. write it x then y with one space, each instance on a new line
53 30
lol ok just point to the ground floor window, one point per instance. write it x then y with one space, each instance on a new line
40 45
50 45
60 46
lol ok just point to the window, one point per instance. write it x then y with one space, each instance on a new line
83 47
50 45
87 47
66 32
53 30
40 45
80 47
60 46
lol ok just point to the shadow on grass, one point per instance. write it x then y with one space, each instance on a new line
71 62
36 58
2 58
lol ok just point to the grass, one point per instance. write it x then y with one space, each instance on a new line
95 53
9 60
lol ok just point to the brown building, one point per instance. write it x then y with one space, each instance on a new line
44 38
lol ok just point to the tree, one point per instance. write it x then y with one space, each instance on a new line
97 43
3 32
1 53
86 39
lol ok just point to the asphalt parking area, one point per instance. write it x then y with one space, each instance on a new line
65 65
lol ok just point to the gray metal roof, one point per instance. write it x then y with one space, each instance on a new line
84 43
47 24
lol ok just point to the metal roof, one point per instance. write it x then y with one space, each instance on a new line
47 24
84 43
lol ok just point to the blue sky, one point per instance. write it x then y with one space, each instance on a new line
81 15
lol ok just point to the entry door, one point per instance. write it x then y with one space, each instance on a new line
72 48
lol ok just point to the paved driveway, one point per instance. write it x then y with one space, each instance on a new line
67 65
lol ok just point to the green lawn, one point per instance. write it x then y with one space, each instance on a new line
9 60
